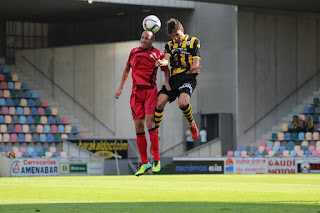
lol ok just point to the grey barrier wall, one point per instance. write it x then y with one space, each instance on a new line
4 166
278 62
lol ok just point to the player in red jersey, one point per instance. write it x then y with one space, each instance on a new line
143 98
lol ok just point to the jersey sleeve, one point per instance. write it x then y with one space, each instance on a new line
163 68
195 50
129 58
167 50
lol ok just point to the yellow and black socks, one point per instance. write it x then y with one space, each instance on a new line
158 117
187 112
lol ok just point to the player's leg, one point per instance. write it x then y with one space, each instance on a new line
161 103
154 139
150 104
139 120
184 104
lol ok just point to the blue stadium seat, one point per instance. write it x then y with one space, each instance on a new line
35 137
37 103
293 153
9 102
15 119
305 110
10 85
236 153
24 85
301 136
71 136
23 119
307 153
46 128
5 69
75 129
287 136
241 148
37 149
10 128
50 120
1 119
61 128
33 154
282 148
21 137
33 111
20 94
50 138
30 102
34 94
27 94
57 120
43 138
19 111
275 148
30 119
269 143
2 102
291 143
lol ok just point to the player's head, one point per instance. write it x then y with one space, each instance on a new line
175 30
147 39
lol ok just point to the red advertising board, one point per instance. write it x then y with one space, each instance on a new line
282 165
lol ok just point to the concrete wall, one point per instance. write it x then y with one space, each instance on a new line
277 53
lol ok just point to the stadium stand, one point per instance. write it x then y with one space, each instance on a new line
26 121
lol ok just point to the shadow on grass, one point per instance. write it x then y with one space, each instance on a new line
164 207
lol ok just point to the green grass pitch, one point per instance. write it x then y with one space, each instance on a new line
162 193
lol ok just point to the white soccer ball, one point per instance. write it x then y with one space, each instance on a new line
151 23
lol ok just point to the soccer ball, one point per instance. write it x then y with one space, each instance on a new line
151 23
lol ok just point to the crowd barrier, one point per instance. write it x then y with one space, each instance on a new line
276 165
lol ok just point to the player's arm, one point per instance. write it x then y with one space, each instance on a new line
195 68
124 78
166 73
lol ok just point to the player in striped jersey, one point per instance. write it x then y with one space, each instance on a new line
183 53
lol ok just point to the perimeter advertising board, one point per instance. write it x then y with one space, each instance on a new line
282 165
26 167
246 165
308 164
106 149
198 165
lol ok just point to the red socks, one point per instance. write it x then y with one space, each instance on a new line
142 146
154 138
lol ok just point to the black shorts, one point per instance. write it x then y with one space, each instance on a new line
180 83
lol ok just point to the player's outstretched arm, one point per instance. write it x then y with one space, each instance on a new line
124 78
166 80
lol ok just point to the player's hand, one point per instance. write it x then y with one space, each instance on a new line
118 93
166 85
194 70
158 63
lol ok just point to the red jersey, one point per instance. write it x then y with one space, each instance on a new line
142 62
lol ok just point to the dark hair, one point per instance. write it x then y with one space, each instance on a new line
173 25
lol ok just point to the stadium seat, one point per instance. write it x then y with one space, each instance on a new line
316 101
85 136
47 111
24 86
34 94
271 153
23 119
32 128
304 148
10 128
52 149
297 148
50 120
37 149
10 85
316 118
300 153
263 143
261 149
293 153
312 110
284 127
19 111
308 135
40 111
307 153
8 94
54 129
5 110
12 110
26 111
54 111
57 120
17 85
274 136
78 136
313 143
269 143
16 102
61 129
39 128
37 103
294 136
276 143
64 120
4 85
18 128
28 137
63 154
268 148
1 119
44 103
30 119
305 143
236 153
36 119
46 128
317 109
301 136
3 128
48 154
57 138
13 137
315 153
275 148
7 119
20 94
5 69
9 102
315 136
43 138
50 138
248 148
305 110
244 153
1 77
21 137
2 102
23 149
280 136
71 136
67 129
30 102
23 102
27 94
43 119
33 111
287 136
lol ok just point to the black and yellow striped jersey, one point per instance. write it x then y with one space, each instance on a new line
182 54
11 154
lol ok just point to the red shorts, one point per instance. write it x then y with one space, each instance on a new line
143 101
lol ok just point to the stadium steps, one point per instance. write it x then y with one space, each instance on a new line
288 118
62 111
